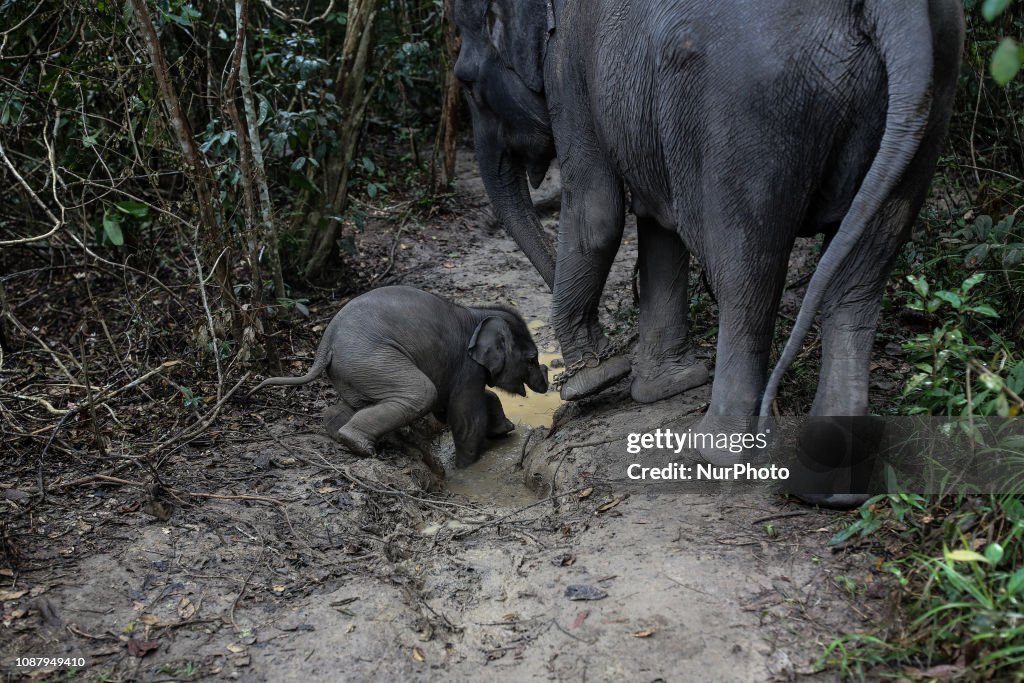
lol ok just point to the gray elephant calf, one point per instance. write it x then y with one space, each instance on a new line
396 353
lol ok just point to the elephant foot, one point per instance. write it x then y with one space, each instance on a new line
835 460
464 459
656 381
501 430
355 442
589 380
723 447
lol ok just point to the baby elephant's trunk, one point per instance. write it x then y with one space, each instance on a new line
537 378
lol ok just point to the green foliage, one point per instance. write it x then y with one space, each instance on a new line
970 362
117 215
296 304
190 399
943 357
869 519
963 592
1008 56
1006 61
103 114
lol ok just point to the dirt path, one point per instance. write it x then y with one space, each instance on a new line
310 565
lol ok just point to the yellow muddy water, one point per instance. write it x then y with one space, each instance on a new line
497 479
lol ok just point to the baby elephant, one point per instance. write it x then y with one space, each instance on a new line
396 353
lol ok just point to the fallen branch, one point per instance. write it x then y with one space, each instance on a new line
57 222
499 520
188 435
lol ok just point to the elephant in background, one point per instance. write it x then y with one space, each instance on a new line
734 126
396 353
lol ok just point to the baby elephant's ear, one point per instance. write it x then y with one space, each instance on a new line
489 344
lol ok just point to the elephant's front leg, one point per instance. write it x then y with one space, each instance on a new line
589 234
664 364
468 418
497 424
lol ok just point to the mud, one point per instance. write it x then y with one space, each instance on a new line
277 557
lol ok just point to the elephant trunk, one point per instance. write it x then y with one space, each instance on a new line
537 379
504 174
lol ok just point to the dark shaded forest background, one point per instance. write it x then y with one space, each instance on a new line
178 173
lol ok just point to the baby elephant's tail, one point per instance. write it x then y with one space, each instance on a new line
320 362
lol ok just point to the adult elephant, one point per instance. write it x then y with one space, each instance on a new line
735 126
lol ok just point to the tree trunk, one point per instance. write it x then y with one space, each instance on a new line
269 233
355 55
448 127
212 246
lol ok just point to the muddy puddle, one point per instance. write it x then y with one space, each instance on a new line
497 478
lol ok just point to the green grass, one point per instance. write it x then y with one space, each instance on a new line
961 593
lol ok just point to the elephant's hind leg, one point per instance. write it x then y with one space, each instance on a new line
665 364
396 396
337 416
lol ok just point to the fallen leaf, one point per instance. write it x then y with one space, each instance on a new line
241 660
585 493
6 572
140 648
644 633
565 560
608 506
417 653
350 628
584 591
11 595
186 609
278 588
940 672
234 647
84 525
149 619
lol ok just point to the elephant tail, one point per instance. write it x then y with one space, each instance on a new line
902 33
322 359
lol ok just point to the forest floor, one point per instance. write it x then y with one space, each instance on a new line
269 554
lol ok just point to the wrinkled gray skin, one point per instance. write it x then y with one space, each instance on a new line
396 353
734 126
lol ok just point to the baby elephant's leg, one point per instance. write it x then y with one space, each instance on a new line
497 424
337 416
469 418
398 393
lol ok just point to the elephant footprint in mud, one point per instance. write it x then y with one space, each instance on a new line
395 354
